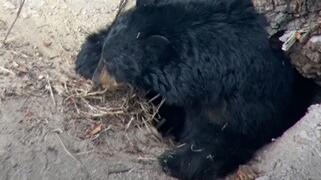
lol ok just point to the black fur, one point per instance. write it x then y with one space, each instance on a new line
212 62
89 56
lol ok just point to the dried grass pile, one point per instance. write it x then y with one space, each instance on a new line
122 109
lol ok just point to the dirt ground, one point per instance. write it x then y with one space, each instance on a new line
42 135
51 127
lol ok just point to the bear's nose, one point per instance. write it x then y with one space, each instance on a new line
102 79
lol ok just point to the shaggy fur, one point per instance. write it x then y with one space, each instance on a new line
212 62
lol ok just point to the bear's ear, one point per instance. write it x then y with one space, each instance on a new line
157 45
144 3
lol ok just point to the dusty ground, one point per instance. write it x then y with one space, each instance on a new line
50 137
50 126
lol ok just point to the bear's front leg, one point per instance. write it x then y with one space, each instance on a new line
208 152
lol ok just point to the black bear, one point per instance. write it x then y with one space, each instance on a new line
212 63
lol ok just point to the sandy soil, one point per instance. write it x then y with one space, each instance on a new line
43 137
47 126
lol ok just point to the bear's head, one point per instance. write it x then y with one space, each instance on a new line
130 46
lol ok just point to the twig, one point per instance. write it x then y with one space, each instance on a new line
87 103
129 123
14 21
51 92
65 148
104 114
96 93
70 154
76 106
158 107
85 94
152 99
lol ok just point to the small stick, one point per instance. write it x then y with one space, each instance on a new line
129 123
87 103
51 92
14 21
96 93
65 149
104 114
76 106
56 132
158 107
152 99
